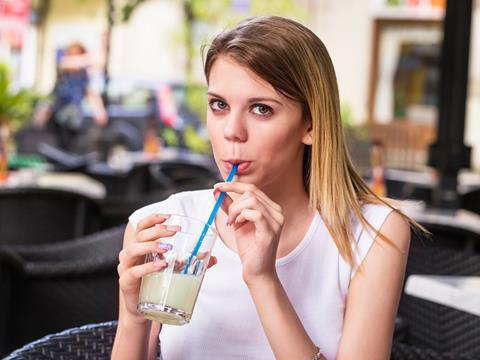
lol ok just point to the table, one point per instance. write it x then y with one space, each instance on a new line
467 180
462 219
74 182
458 292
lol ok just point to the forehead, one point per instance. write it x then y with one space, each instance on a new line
229 78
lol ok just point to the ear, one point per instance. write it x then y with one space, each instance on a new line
307 136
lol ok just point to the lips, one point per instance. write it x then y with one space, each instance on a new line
243 165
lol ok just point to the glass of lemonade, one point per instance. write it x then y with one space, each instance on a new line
169 295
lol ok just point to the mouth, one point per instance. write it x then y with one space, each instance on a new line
243 165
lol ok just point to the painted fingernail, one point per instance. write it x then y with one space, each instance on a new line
164 246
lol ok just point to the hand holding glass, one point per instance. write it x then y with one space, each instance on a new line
169 295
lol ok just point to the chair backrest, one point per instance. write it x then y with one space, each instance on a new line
93 341
471 201
183 175
121 184
58 286
430 325
36 215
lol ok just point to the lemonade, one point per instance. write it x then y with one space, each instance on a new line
169 298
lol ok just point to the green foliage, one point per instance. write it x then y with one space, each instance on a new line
170 137
287 8
353 127
15 106
210 11
128 9
195 142
346 114
197 100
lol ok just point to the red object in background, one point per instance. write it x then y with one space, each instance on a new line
413 2
14 16
16 10
167 107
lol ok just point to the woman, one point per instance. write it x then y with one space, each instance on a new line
310 262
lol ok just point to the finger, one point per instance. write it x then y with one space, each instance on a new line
130 279
240 188
227 201
156 232
151 220
260 222
245 201
270 221
134 253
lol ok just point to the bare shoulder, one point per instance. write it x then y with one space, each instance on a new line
396 228
374 293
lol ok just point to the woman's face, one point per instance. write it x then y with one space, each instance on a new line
250 123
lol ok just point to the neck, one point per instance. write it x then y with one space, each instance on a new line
292 197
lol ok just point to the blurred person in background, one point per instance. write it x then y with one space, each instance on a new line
64 115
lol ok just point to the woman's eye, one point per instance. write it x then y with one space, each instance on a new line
261 109
218 105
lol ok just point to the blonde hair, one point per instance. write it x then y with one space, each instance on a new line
296 63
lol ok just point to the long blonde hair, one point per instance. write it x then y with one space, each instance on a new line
296 63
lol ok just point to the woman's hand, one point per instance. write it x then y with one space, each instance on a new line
257 222
131 265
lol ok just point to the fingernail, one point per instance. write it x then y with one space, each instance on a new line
173 228
214 259
161 216
164 246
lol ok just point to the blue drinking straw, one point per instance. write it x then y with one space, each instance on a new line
218 203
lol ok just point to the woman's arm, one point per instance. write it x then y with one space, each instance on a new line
285 332
371 303
137 337
374 295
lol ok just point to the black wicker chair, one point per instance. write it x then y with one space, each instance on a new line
436 331
58 286
402 351
92 342
89 342
471 201
119 184
183 175
37 216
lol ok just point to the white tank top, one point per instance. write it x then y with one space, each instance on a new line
225 324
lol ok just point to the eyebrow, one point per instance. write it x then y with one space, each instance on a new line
250 100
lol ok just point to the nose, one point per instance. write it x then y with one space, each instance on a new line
235 128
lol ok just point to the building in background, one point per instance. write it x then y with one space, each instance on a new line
381 49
